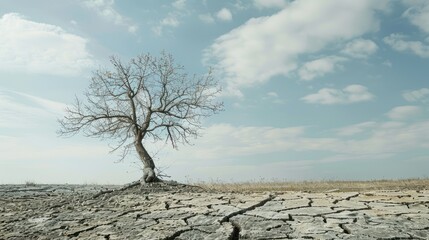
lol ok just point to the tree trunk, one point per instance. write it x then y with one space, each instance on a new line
149 174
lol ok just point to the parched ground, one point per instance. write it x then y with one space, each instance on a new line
174 211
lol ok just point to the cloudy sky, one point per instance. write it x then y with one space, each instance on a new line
313 90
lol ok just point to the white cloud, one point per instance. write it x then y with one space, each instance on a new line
320 67
400 43
40 48
242 141
170 21
19 110
350 94
133 28
360 48
387 63
418 14
273 97
355 129
382 139
265 47
420 95
53 107
173 18
272 94
206 18
13 147
403 112
105 9
390 138
224 14
270 3
179 4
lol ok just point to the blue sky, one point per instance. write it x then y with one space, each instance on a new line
313 90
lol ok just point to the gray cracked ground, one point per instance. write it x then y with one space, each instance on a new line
76 212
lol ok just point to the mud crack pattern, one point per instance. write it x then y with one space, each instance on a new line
78 212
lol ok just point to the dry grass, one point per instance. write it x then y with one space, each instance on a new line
319 186
30 184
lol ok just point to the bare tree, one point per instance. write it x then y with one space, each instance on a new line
148 99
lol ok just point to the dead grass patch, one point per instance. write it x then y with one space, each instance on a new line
318 186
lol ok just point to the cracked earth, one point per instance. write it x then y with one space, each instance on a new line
82 212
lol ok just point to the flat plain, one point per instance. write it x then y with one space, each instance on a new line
306 210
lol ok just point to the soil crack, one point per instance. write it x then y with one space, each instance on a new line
244 210
345 228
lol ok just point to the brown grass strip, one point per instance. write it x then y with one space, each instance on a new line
318 186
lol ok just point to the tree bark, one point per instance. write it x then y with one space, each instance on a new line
149 174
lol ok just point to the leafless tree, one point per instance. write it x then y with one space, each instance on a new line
146 100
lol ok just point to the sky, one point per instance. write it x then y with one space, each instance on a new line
313 90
